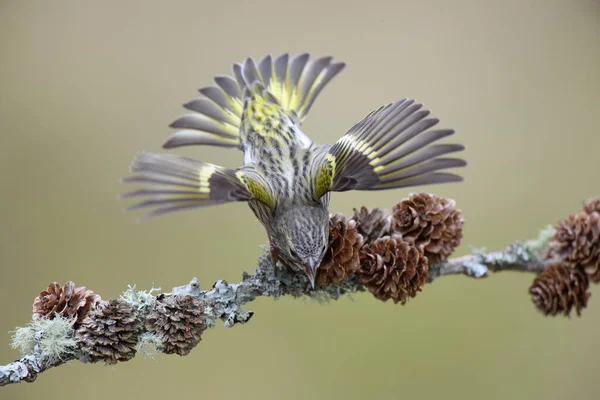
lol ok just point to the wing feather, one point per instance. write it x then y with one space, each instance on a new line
177 183
392 147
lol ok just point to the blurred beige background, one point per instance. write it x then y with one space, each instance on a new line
84 85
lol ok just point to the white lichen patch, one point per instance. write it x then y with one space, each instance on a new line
56 339
53 339
139 299
209 316
148 345
538 245
23 338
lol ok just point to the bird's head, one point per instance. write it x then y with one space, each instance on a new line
301 235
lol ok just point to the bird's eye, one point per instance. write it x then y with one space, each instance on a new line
293 253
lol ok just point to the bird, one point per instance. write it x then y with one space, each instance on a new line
285 177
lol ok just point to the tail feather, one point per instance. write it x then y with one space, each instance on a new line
293 83
317 76
229 86
196 122
250 72
257 89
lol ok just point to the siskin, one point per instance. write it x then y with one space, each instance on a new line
286 179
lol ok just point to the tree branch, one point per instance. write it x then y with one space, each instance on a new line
30 366
224 301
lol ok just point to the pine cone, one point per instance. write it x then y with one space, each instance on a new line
67 301
392 268
592 205
178 321
577 242
372 224
431 223
559 288
341 259
110 332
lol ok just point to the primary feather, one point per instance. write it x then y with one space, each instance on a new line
391 147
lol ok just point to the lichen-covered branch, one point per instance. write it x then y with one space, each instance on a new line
224 301
527 256
392 255
40 344
27 369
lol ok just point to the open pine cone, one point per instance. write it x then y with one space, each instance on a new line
110 332
341 259
431 223
559 288
392 268
577 242
67 301
178 321
592 205
372 224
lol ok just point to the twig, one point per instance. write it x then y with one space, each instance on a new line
30 366
224 301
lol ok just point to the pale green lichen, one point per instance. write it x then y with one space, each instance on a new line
139 299
53 338
209 316
191 289
540 244
23 338
478 251
148 344
529 251
56 339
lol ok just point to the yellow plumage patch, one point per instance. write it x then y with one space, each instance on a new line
276 89
265 119
294 101
237 106
256 189
204 175
286 93
325 176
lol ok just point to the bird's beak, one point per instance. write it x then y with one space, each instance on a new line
311 271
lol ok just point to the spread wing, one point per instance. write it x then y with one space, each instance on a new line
177 183
392 147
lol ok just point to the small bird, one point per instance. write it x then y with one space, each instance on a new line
286 178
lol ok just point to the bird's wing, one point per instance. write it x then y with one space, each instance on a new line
178 183
392 147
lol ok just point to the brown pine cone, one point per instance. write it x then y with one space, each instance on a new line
341 259
392 268
178 321
431 223
372 224
67 301
592 205
559 288
110 332
577 242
